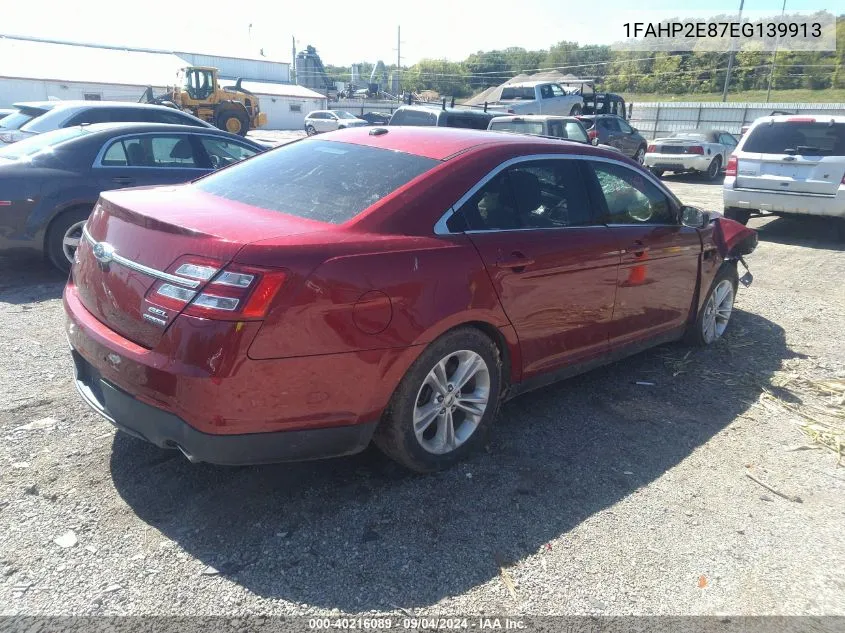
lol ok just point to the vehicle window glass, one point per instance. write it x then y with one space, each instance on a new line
797 137
467 122
493 207
40 142
318 180
171 151
171 117
728 139
557 91
575 132
413 117
518 92
623 126
15 120
611 125
630 197
550 194
522 127
92 115
225 152
115 156
546 92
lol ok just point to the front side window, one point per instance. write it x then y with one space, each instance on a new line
624 126
611 125
546 92
727 139
544 194
318 180
224 152
630 198
557 91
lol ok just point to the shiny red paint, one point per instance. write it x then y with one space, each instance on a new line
361 300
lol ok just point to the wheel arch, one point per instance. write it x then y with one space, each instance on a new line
75 205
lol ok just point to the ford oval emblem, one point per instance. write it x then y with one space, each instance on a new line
104 252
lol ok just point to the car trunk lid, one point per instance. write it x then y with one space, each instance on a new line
137 237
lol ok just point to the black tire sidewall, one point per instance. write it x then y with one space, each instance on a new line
240 116
696 334
715 161
56 233
395 435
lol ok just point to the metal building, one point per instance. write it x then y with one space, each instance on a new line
34 69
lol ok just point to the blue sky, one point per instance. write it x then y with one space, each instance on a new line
346 32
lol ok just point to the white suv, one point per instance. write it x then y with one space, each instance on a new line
330 120
788 165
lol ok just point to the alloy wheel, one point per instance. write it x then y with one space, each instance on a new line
717 311
451 401
640 156
71 239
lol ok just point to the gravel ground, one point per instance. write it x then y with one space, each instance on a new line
595 496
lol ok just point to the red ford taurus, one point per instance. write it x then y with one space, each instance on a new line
392 285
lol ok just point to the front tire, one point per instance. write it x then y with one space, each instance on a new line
713 169
639 157
233 121
310 130
63 237
738 215
715 313
445 404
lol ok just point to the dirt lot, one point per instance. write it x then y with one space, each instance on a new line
598 495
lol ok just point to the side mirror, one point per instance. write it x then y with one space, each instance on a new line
694 217
595 141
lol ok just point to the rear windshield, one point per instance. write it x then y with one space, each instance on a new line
41 142
797 137
413 117
518 93
15 120
466 121
523 127
318 180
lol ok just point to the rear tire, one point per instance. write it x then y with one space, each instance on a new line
309 130
715 314
435 418
576 110
738 215
63 237
713 169
639 157
233 121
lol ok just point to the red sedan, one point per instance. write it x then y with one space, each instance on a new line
392 285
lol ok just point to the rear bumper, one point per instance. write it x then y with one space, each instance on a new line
678 162
784 202
167 430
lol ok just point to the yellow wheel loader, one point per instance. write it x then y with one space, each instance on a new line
230 108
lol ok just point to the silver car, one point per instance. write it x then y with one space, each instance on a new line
700 151
330 120
788 165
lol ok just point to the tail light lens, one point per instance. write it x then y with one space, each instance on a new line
730 168
232 293
695 149
651 149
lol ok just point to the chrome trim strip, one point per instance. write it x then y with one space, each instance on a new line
440 226
152 272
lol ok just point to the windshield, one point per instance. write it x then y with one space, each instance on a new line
522 127
15 120
40 143
317 180
797 137
344 115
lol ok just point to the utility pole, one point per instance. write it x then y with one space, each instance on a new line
731 57
293 58
774 56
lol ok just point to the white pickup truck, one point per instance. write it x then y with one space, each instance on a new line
537 97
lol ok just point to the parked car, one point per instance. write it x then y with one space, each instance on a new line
699 151
50 182
24 113
537 97
64 114
562 127
376 118
317 296
330 120
615 131
788 165
442 116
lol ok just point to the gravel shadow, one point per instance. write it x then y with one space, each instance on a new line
360 533
29 279
810 232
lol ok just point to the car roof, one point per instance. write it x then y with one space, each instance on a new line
108 130
442 143
802 118
535 117
436 107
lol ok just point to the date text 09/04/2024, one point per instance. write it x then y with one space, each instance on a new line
417 624
704 30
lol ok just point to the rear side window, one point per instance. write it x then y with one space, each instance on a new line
413 117
317 180
523 127
797 137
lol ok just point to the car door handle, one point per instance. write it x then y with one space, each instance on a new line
122 180
517 262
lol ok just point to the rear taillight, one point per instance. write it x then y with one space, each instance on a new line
730 168
695 149
651 149
801 119
232 293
